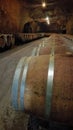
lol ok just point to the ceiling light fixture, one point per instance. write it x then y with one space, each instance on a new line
43 4
47 20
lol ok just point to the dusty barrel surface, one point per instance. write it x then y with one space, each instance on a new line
45 88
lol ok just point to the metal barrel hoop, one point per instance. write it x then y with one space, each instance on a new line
23 83
38 50
49 88
14 94
34 51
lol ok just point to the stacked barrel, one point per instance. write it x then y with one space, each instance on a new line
43 84
9 40
6 41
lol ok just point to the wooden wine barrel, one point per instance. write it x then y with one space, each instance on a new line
46 49
2 43
10 41
54 42
43 86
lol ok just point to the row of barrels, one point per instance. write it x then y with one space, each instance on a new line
9 40
26 37
43 83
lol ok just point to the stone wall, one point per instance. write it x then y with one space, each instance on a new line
12 16
9 16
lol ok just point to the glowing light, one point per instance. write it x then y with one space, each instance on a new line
47 20
43 4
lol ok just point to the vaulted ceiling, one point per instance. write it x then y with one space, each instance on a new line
59 11
54 8
65 5
16 13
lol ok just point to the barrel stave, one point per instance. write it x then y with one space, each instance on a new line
35 85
